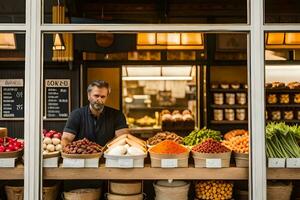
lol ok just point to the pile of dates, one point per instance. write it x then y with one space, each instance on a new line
83 146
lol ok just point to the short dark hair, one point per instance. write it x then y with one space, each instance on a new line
99 84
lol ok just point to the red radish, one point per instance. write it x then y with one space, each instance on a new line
57 135
49 135
2 148
8 150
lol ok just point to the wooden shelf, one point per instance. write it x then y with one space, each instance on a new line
149 173
228 90
228 122
282 90
283 105
229 106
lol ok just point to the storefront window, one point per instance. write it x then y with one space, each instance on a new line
12 11
280 11
12 79
146 12
282 111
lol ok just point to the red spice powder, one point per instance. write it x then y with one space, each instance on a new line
168 147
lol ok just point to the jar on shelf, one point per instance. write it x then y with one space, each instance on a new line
218 114
241 114
272 99
241 98
229 114
289 115
276 115
218 98
297 98
284 98
230 98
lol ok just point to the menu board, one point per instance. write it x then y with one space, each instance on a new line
57 101
12 99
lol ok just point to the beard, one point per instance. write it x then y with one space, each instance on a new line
97 106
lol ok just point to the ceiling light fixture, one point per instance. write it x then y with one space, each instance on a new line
170 41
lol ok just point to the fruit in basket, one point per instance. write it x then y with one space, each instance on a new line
213 189
8 144
83 146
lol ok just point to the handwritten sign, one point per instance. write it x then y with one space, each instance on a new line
12 98
57 100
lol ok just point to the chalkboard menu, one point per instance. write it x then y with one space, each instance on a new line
12 99
57 101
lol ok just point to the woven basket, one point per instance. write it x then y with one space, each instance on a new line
14 192
200 158
125 187
51 155
279 191
182 158
12 154
83 194
124 197
241 159
50 192
81 156
171 192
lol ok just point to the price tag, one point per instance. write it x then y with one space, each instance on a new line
92 162
73 163
213 163
169 163
125 162
293 162
276 162
50 162
7 162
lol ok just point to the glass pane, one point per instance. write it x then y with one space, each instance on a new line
280 11
154 12
282 110
12 11
164 89
12 79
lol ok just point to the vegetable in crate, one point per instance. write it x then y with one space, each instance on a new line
210 146
197 136
168 147
83 146
161 136
214 189
281 141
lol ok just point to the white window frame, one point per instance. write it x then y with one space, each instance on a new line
33 88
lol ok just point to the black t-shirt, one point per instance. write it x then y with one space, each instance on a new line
83 124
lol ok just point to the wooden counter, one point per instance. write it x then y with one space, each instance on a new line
149 173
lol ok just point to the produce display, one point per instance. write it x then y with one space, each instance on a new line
8 144
51 142
83 146
234 133
197 136
210 146
161 136
238 144
281 140
168 147
126 145
216 190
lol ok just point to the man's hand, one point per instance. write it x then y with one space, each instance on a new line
67 138
122 131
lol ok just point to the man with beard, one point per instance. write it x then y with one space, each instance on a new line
96 122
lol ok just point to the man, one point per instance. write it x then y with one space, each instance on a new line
96 122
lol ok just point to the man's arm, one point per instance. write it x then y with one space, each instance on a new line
67 138
122 131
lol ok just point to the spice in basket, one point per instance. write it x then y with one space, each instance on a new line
210 146
238 144
168 147
83 146
214 190
161 136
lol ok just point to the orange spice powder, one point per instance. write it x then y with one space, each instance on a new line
168 147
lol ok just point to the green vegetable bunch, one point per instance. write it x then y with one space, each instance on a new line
281 140
197 136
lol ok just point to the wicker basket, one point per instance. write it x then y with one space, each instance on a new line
279 191
83 194
14 192
125 187
81 156
12 154
124 197
50 192
200 158
241 159
51 155
182 159
164 192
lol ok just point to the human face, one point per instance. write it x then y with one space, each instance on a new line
97 97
